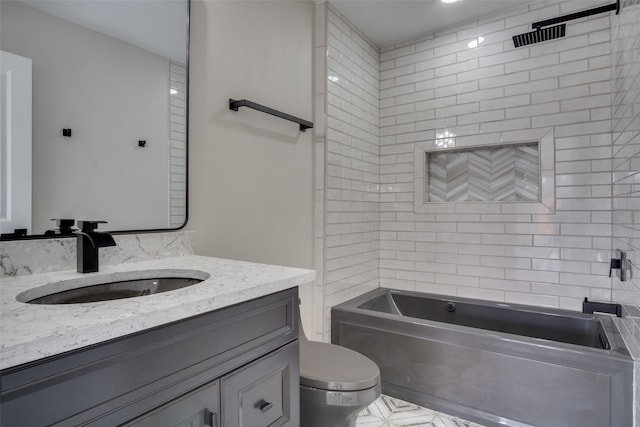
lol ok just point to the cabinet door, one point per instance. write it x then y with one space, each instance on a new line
263 393
196 409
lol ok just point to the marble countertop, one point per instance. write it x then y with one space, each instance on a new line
30 332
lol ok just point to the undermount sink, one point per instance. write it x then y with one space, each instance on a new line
112 286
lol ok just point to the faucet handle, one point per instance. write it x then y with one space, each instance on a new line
64 222
64 225
89 226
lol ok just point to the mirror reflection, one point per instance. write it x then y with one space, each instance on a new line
93 113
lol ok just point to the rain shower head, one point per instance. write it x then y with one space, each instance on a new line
540 35
545 31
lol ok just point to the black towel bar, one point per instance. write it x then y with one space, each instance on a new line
234 105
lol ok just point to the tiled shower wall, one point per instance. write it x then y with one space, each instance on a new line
490 94
625 48
352 163
177 145
495 93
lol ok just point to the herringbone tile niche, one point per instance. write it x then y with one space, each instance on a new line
502 173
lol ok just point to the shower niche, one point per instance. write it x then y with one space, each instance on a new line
507 177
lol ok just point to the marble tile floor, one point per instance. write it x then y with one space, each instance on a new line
388 411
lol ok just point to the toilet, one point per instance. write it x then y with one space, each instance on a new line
336 383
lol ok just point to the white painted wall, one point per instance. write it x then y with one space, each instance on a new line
251 174
93 84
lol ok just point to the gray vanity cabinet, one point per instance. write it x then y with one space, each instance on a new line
236 366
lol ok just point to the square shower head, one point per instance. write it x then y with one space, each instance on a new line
540 35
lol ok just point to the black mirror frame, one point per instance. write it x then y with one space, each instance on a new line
186 209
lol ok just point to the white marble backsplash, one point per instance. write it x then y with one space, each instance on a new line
20 257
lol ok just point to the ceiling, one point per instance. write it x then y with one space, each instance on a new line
152 24
157 26
390 21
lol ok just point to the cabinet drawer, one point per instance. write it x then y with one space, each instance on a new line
196 409
263 393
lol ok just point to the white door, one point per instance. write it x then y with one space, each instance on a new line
15 145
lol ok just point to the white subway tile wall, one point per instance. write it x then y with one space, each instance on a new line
625 42
368 233
374 107
177 144
352 162
315 295
490 94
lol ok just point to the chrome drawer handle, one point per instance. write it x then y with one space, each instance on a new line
263 405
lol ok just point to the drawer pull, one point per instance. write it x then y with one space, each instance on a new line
263 405
210 419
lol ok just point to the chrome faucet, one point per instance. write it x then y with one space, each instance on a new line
89 240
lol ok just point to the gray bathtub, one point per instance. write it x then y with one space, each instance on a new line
493 363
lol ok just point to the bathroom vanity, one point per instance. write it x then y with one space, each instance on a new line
223 352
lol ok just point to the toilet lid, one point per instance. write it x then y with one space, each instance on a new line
331 367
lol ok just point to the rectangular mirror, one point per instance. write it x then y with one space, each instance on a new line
107 134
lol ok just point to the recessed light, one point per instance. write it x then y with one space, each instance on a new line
448 1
